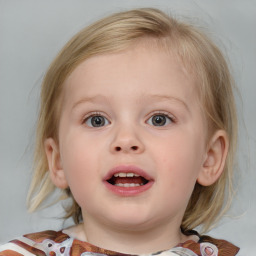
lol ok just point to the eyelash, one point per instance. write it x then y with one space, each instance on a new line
94 114
99 114
165 114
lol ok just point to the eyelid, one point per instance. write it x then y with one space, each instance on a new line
169 120
165 113
95 113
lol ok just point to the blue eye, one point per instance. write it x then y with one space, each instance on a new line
159 120
96 121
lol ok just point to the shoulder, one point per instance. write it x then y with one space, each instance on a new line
204 245
207 246
40 243
225 248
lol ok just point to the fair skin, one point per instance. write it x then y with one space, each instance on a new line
136 111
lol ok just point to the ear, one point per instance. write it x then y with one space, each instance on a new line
214 162
54 162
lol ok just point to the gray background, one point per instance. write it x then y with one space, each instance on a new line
31 34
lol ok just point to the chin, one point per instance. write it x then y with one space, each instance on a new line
130 220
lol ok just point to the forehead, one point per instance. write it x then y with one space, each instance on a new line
127 70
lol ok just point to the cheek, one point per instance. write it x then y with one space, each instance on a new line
77 161
181 158
80 168
178 147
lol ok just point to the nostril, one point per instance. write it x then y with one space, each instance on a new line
133 148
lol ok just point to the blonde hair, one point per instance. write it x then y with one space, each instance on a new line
197 52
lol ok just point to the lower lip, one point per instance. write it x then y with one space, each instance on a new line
128 191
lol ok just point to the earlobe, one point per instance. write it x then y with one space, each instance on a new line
54 162
215 159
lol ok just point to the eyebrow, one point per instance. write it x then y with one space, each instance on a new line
97 98
102 98
169 98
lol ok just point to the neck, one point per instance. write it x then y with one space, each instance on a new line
133 241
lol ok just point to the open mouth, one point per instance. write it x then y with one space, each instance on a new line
129 179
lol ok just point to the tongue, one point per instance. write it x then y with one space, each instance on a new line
136 180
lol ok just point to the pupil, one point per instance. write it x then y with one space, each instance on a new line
98 121
159 120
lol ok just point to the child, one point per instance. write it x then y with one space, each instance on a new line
138 127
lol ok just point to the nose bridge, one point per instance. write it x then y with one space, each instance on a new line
127 139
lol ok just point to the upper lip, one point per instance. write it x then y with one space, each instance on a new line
127 169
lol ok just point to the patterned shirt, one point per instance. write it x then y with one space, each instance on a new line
54 243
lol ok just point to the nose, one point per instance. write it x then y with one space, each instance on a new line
127 140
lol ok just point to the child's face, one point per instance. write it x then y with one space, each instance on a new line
134 112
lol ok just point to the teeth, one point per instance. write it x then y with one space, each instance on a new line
126 185
128 174
120 174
